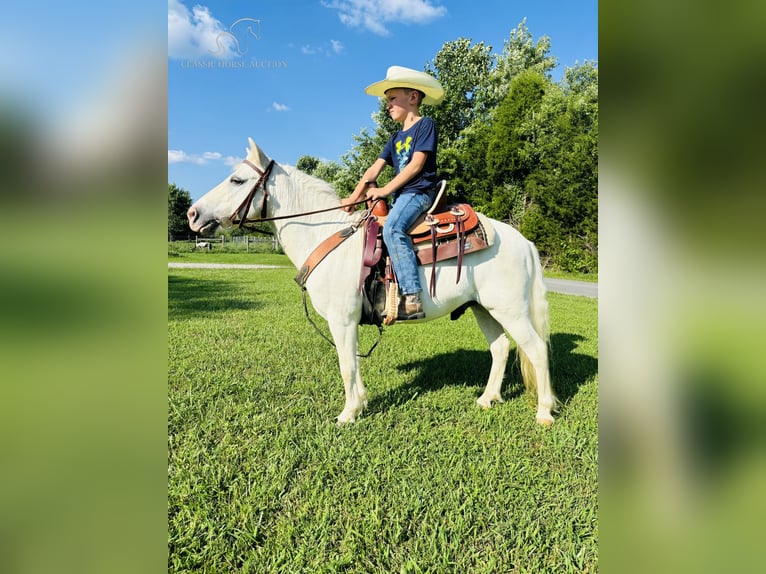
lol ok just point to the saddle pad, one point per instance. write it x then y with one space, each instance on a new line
489 229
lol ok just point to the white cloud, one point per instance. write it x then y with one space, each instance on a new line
196 33
374 14
180 156
334 47
279 107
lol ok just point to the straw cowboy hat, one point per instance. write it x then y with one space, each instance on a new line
400 77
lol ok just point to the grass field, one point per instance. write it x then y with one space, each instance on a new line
261 480
235 253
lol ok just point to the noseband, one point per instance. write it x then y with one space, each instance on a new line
239 217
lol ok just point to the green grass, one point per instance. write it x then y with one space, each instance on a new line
261 480
254 258
591 277
185 252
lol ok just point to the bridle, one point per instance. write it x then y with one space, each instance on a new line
239 216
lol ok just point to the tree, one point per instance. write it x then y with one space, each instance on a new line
329 171
476 82
179 202
520 53
464 165
307 164
463 71
499 155
510 157
365 151
563 186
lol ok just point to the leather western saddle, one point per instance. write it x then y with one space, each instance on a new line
443 232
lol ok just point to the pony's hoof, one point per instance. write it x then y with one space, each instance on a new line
544 422
345 418
486 402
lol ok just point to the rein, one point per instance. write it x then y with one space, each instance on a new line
241 220
326 338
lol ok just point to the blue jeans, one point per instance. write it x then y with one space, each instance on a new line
405 210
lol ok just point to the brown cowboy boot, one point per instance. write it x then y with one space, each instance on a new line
410 307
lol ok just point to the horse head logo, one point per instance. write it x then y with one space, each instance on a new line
237 36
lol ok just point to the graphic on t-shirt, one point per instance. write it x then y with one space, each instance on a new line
403 151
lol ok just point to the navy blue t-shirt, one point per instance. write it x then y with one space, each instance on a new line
403 144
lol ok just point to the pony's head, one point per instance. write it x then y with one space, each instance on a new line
237 197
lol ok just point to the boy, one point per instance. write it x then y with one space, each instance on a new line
412 153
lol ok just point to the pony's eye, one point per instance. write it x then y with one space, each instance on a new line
236 180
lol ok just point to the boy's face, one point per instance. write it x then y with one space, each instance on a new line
400 102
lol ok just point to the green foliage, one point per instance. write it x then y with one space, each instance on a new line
510 151
463 70
328 171
179 202
514 143
468 174
520 54
307 164
365 151
564 185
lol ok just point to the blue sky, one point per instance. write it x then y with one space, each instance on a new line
291 74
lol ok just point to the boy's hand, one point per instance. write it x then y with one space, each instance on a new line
377 193
348 204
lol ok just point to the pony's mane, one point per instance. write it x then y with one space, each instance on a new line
311 183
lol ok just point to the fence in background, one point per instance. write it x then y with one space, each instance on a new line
242 243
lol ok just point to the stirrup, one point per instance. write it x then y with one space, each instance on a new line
392 304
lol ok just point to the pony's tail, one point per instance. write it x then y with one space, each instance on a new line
540 318
538 303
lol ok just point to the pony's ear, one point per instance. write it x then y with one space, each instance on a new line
256 154
252 151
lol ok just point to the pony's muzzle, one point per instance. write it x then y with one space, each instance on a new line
192 215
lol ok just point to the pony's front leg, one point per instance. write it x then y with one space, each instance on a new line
346 342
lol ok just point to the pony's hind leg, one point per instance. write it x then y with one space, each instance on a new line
499 347
533 360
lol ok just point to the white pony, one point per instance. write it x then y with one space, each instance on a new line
504 281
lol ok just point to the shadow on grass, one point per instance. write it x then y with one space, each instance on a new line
570 370
192 297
